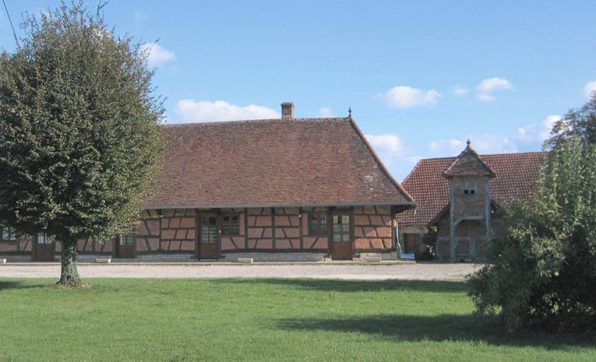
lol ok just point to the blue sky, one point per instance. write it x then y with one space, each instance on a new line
420 76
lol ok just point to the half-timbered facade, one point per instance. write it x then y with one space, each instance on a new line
461 200
276 189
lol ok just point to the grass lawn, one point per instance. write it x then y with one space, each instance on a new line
262 320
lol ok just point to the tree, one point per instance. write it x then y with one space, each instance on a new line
579 123
542 267
79 131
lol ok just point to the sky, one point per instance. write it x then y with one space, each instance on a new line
421 77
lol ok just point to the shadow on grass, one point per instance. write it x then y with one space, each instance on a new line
336 285
442 328
9 284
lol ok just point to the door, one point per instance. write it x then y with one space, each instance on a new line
411 243
45 248
341 238
125 246
208 237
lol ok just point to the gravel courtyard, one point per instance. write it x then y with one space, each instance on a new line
330 270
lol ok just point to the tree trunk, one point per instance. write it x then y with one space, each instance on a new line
69 275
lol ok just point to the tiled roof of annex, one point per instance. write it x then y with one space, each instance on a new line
515 174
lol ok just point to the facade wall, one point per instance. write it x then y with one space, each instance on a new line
373 228
469 237
466 205
260 230
22 245
235 242
177 231
311 241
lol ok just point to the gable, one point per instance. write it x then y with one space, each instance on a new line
468 163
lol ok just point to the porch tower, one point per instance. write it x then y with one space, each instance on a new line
470 203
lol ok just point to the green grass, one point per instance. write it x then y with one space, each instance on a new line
262 320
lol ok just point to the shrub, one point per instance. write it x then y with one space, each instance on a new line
542 266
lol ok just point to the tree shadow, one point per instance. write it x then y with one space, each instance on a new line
443 328
12 284
337 285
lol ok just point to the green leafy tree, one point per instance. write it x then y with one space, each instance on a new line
79 131
580 123
542 266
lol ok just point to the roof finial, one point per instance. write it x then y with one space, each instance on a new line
468 142
350 112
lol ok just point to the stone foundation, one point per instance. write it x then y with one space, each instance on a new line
384 256
16 258
272 257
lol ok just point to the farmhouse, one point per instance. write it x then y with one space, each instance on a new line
461 200
275 189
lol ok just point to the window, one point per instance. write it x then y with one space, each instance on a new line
208 230
42 238
8 234
126 240
341 228
230 225
469 187
317 223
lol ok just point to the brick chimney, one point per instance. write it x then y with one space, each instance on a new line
287 110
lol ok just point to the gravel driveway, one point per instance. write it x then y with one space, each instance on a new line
329 270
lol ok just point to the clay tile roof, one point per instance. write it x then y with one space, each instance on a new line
514 173
274 162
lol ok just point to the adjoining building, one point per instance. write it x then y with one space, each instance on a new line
461 200
275 189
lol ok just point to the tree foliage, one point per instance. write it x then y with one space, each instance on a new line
79 130
579 123
542 270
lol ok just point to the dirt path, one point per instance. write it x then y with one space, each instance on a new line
423 271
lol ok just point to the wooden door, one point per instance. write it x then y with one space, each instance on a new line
411 243
208 237
341 237
45 248
126 246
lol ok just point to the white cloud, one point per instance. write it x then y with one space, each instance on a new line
389 147
488 144
189 110
537 131
483 144
460 91
139 17
589 88
156 55
408 97
451 146
485 89
325 112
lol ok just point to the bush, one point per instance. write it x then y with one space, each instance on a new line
427 254
542 270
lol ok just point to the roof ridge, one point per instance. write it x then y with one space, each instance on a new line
485 155
514 153
263 120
